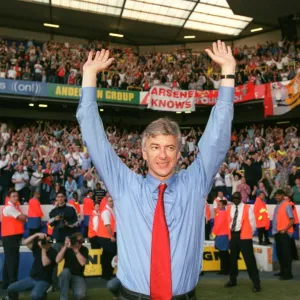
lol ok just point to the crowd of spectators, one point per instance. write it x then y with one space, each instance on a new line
49 157
180 69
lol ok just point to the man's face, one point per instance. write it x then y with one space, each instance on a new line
262 196
14 197
161 153
297 181
20 168
279 198
236 200
110 202
60 198
220 195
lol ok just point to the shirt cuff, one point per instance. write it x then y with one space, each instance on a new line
226 94
88 94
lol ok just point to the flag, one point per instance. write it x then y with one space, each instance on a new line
281 97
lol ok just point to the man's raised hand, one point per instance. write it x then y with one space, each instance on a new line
222 55
100 62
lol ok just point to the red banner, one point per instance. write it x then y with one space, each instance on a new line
162 96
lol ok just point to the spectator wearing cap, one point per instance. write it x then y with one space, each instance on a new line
283 221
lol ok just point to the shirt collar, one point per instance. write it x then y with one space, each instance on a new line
154 183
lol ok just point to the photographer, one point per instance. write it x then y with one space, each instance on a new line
75 256
40 276
63 218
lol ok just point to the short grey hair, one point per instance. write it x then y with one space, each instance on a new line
162 126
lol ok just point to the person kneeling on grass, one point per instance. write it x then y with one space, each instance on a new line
40 277
75 256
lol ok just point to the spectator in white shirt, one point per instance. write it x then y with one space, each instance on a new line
228 182
20 180
11 73
219 182
36 179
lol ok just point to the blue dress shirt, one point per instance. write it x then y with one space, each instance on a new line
135 197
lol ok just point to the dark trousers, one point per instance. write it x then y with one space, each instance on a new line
224 261
238 245
94 243
11 247
33 231
207 230
109 251
284 253
263 233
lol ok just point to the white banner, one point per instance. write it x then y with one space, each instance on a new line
167 99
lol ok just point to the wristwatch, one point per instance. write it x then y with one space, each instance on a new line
229 76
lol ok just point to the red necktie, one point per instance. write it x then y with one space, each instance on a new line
160 272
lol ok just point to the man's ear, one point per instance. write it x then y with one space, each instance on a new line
145 156
178 155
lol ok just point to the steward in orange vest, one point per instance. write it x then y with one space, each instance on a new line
295 255
88 207
35 214
242 225
283 221
106 237
75 203
221 233
12 231
207 220
93 227
262 219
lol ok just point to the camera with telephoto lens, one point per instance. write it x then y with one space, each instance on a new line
44 241
61 221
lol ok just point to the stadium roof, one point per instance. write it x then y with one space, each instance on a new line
147 21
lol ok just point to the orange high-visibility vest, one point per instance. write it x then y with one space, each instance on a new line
34 208
261 214
246 229
88 206
102 230
283 219
207 212
11 225
91 232
49 229
221 225
296 217
76 205
103 204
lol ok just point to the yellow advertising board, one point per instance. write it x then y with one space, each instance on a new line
211 262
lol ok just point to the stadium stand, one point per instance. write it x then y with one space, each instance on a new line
181 69
50 152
